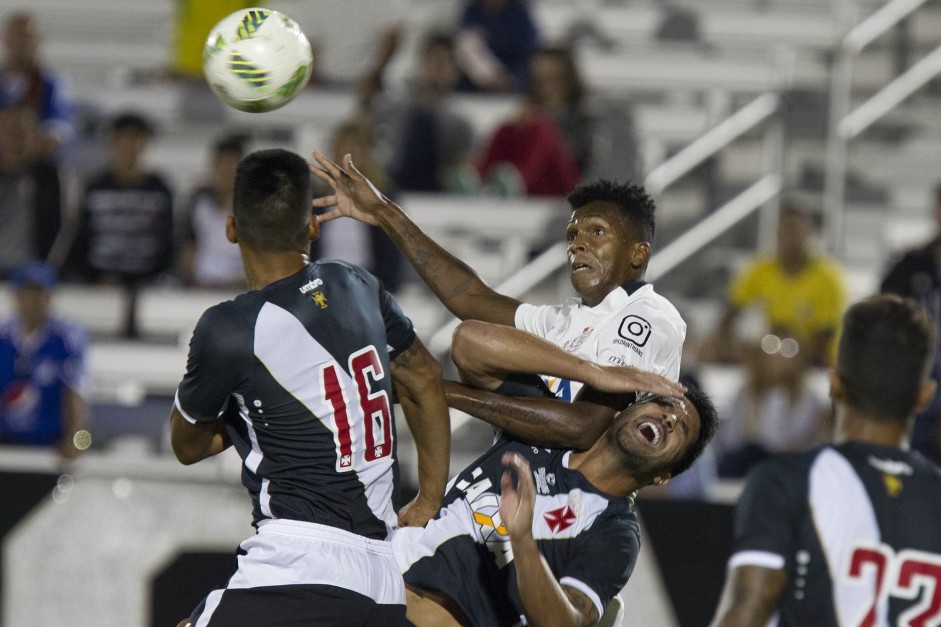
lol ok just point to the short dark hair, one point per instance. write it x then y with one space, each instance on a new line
885 353
633 201
131 121
708 424
272 204
437 39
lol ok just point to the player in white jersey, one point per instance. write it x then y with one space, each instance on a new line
297 374
617 318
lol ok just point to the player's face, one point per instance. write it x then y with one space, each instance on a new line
655 433
602 246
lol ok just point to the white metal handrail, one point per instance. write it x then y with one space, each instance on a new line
846 123
712 141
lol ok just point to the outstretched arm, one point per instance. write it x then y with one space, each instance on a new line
487 353
545 601
455 284
538 421
417 378
752 595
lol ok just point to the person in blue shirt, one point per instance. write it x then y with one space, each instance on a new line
42 368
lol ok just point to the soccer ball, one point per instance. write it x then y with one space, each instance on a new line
257 60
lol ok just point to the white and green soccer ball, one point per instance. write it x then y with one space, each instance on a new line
257 60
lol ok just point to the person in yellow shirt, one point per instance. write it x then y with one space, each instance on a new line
802 294
193 19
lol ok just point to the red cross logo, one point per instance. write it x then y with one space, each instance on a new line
560 519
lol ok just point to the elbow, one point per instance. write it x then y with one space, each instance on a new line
466 343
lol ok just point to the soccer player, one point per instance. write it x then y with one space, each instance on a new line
849 533
298 375
618 318
556 544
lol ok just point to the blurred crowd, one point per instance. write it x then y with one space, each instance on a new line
126 225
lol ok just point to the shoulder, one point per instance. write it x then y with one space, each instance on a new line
759 266
647 299
72 334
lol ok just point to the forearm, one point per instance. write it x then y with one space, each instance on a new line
543 599
486 351
193 443
752 595
538 421
455 284
428 420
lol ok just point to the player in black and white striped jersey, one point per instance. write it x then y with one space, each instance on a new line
849 534
297 374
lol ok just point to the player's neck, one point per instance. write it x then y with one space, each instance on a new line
264 268
852 426
604 470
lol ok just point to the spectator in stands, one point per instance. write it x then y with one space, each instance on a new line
495 41
802 294
208 259
364 245
125 233
42 368
353 42
917 275
192 21
30 193
557 88
428 142
24 82
775 411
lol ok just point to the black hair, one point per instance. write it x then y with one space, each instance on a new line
632 200
131 121
272 204
708 424
885 352
436 39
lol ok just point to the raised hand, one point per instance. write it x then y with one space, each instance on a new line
517 503
631 379
353 195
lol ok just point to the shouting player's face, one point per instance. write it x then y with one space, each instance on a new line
604 251
654 434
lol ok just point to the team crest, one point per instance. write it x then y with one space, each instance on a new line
560 519
893 484
320 299
576 343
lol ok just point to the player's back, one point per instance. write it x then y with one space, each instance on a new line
867 549
307 380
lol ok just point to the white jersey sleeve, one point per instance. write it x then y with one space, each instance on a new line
536 319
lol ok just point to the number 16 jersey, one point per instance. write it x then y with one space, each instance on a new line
856 526
299 371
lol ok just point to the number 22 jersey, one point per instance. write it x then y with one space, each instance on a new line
856 526
299 370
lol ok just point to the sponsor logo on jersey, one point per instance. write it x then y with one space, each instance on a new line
560 519
890 466
320 299
635 329
576 343
310 286
543 480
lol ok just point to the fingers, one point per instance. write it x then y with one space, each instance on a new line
524 476
325 201
324 176
327 217
329 166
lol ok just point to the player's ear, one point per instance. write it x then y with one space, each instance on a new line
837 391
926 393
640 253
313 228
230 230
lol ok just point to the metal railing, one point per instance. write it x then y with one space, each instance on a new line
763 194
847 123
